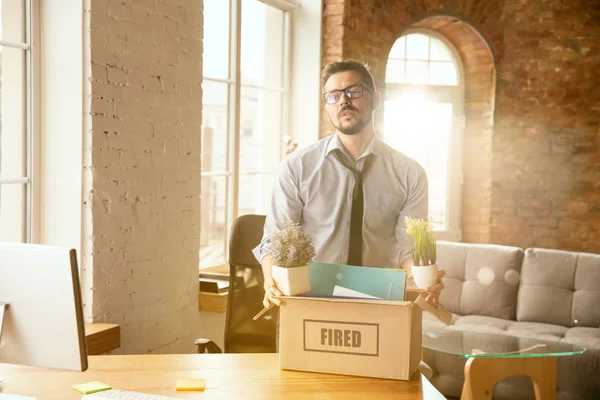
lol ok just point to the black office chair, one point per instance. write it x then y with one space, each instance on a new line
246 292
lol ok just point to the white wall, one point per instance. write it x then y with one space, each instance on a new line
144 162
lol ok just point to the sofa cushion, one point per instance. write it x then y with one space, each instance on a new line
586 299
537 330
478 323
474 323
480 279
560 287
589 338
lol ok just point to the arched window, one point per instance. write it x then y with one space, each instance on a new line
424 118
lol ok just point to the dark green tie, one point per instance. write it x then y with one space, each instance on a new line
358 204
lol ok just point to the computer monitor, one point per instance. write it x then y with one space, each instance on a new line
43 323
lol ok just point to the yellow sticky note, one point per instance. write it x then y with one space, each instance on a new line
91 387
191 384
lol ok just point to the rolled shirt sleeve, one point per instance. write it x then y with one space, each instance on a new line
416 206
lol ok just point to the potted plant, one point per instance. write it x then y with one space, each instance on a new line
422 244
292 250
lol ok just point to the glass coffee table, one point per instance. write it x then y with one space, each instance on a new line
492 358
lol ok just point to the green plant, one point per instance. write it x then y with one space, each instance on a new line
291 247
421 240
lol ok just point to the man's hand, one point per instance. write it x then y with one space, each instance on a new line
270 291
433 292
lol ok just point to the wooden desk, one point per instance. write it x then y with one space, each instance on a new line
212 302
228 376
102 338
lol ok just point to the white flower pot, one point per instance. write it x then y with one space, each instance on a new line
292 281
424 276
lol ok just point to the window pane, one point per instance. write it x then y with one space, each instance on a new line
214 126
410 128
260 130
255 193
442 74
399 49
12 212
438 210
216 39
439 51
12 113
213 231
12 18
262 44
417 72
417 47
394 71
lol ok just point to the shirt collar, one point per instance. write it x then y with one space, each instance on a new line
374 147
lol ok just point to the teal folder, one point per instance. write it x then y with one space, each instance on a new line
385 283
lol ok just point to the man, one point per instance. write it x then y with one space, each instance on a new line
349 191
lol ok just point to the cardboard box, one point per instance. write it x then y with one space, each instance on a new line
351 336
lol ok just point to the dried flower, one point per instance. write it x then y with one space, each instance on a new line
290 145
421 240
291 247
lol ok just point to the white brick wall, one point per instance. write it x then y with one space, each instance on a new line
142 157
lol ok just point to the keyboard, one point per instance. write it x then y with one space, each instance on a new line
124 395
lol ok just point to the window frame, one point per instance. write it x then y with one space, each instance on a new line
30 122
456 96
233 122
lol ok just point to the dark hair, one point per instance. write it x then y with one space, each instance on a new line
348 65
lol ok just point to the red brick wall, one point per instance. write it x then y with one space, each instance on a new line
546 165
532 142
333 32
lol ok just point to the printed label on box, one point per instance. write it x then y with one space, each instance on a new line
343 337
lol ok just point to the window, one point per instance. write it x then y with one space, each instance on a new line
15 121
424 116
247 91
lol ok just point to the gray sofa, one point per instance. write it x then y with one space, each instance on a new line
538 293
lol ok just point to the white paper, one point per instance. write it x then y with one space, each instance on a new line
345 292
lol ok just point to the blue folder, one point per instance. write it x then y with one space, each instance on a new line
385 283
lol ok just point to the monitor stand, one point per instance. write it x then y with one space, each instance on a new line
3 307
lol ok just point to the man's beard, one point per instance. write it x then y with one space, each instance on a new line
354 127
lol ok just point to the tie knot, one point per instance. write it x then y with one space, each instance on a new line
346 162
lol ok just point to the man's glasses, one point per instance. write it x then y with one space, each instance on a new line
351 92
